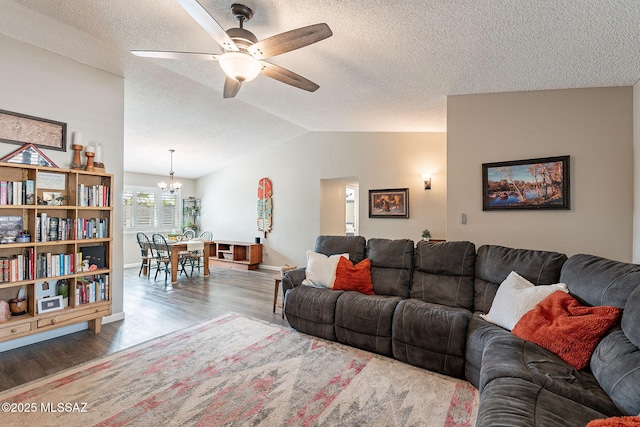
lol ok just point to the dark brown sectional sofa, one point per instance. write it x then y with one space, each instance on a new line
426 312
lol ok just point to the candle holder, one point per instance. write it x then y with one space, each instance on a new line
77 162
89 167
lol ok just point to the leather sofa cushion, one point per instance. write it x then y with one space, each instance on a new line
517 402
331 245
391 266
600 281
430 336
312 310
512 357
479 332
494 263
365 321
616 365
631 317
443 273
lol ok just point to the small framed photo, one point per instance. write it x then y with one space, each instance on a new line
390 203
526 184
51 198
46 305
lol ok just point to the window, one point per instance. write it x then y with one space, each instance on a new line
150 209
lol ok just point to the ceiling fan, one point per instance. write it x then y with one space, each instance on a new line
243 56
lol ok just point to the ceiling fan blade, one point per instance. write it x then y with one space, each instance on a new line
231 87
210 25
175 55
291 40
289 77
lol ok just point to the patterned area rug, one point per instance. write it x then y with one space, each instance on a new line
239 371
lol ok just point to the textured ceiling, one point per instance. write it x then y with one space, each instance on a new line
388 67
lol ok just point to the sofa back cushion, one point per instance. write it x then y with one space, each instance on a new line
444 273
391 266
331 245
600 281
494 263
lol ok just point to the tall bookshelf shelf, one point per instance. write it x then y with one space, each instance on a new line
70 244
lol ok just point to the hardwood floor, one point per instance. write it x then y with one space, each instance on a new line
150 311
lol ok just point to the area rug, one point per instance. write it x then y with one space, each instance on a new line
238 371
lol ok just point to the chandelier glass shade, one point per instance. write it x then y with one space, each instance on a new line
172 186
240 66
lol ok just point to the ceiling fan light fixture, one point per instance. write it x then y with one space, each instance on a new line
240 66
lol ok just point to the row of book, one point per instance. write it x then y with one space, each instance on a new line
17 192
93 195
92 289
31 266
52 228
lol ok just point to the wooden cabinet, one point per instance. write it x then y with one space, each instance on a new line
67 215
245 256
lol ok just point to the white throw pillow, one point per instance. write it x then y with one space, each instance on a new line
321 269
515 297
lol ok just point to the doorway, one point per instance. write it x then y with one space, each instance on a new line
339 206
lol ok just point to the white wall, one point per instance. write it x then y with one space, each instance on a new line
296 168
593 126
131 251
43 84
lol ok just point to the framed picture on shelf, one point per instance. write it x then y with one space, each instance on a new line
390 203
28 154
45 305
51 198
17 128
526 184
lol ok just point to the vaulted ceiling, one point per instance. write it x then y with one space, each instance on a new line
388 67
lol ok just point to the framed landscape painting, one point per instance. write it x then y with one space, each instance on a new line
392 203
526 184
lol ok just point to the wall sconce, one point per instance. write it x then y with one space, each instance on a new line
427 181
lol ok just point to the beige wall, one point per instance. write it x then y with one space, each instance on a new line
593 126
296 168
42 84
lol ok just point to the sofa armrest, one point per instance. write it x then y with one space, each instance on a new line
292 278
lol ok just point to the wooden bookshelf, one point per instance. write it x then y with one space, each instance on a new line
81 217
240 255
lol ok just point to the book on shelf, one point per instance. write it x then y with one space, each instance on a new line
10 227
93 195
17 192
92 289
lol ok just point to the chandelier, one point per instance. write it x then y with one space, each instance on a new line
173 186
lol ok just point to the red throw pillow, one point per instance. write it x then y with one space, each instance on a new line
572 331
351 277
616 422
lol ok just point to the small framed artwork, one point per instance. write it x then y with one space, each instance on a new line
28 154
51 198
16 128
526 184
390 203
45 305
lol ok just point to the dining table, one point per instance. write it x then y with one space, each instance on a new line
188 245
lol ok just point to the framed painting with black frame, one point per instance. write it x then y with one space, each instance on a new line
390 203
17 128
526 184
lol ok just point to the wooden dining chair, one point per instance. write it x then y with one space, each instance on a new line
197 258
163 257
146 253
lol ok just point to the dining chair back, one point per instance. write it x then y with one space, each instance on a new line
189 235
146 253
206 235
